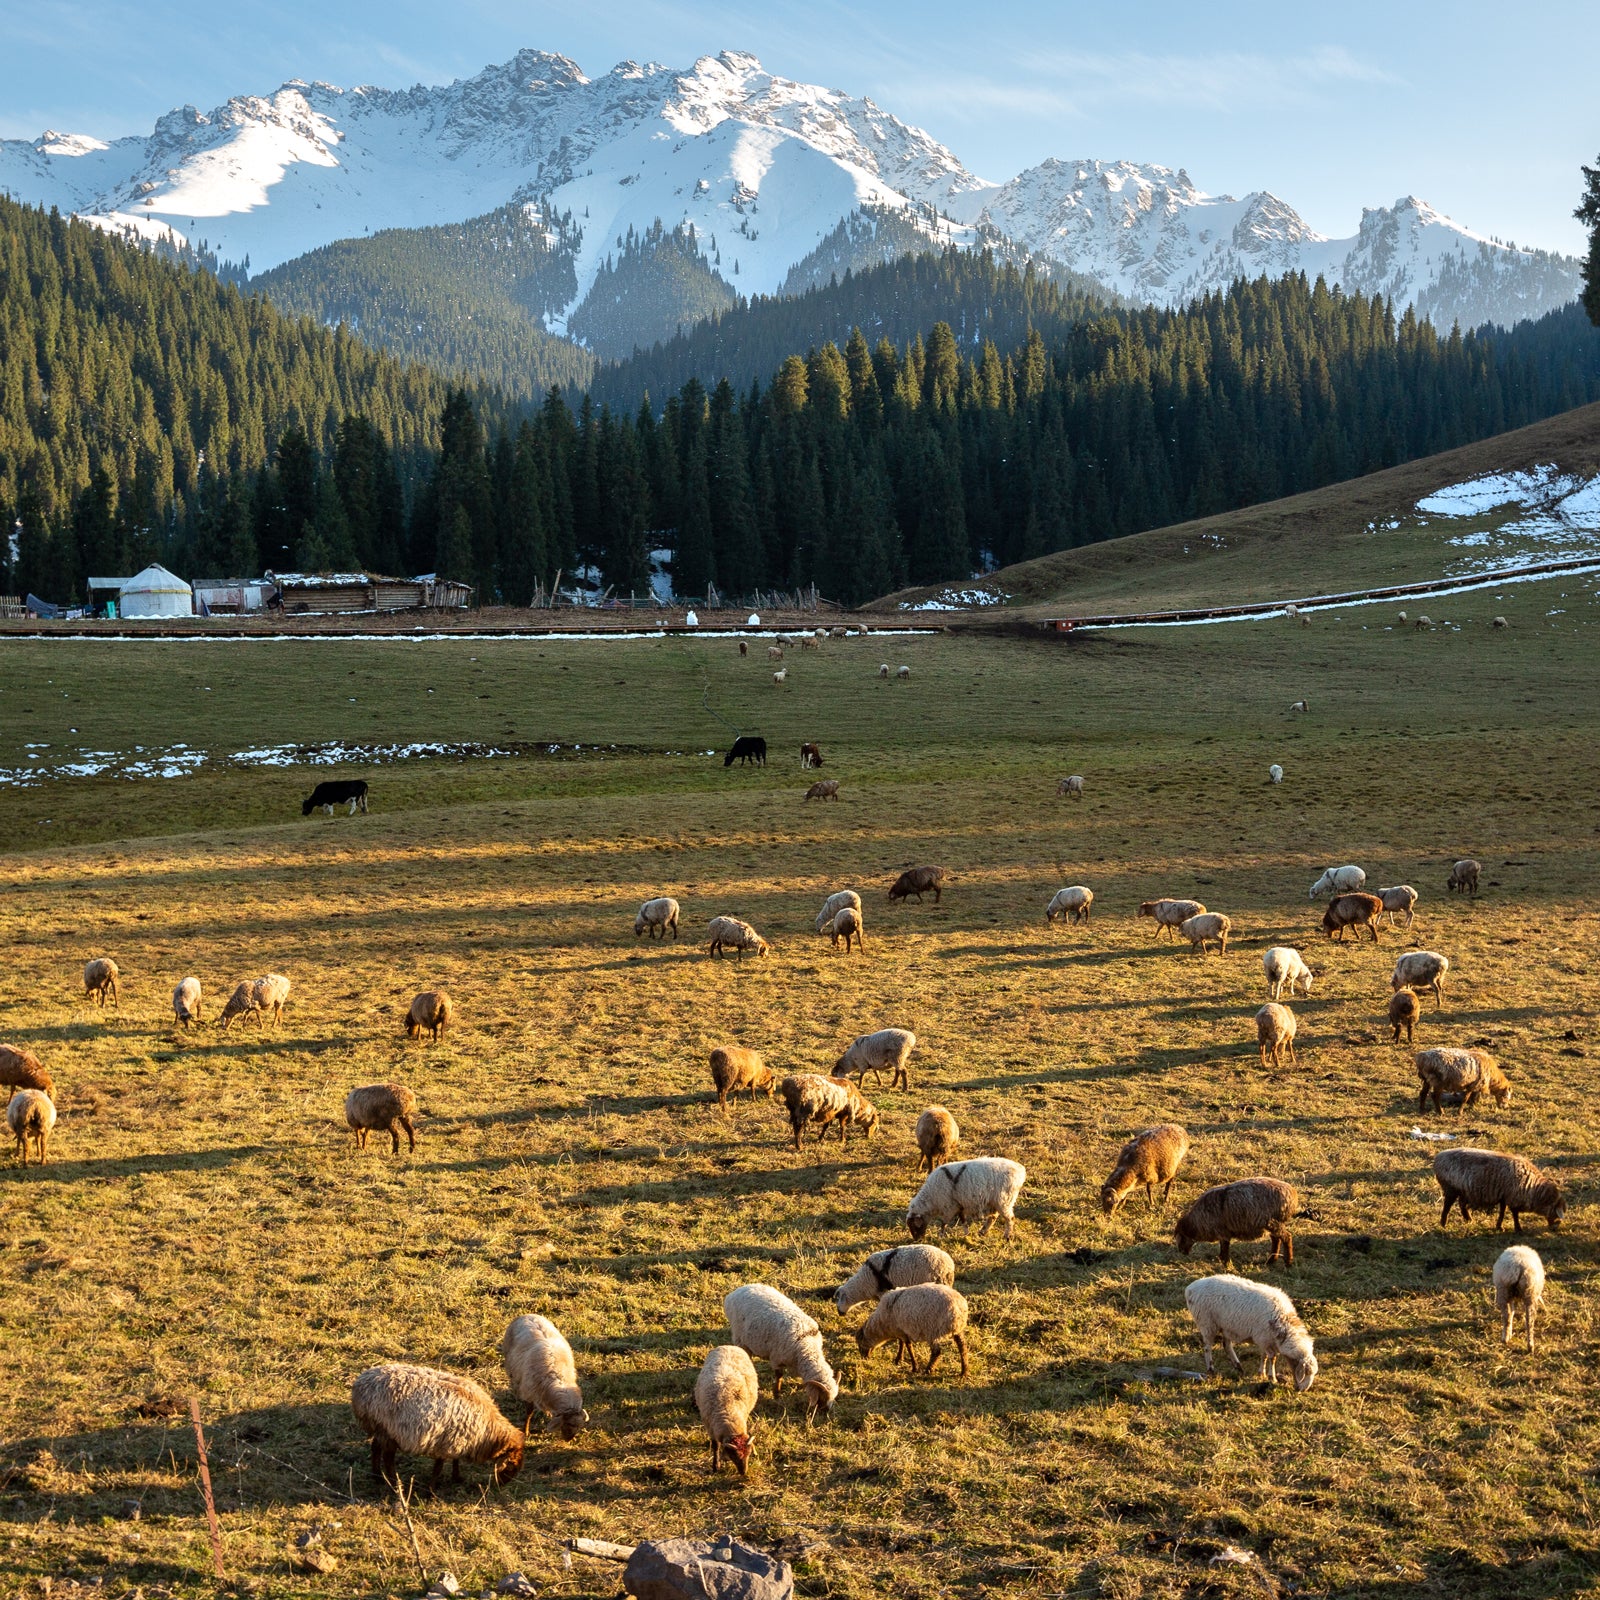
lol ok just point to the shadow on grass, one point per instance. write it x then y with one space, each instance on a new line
133 1166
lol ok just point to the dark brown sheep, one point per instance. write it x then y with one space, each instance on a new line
1245 1209
1404 1011
919 881
20 1069
1484 1178
1352 911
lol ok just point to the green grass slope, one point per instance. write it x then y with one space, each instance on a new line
1329 540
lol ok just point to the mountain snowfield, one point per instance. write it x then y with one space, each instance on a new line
764 168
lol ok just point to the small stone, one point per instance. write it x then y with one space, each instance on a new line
445 1584
317 1561
515 1583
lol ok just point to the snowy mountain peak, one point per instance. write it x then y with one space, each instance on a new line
765 168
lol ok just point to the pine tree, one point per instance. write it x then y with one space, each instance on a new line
1588 213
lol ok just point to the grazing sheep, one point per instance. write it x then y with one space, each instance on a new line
774 652
429 1413
810 1099
1201 930
810 756
1303 618
1275 1031
744 649
22 1069
1404 1010
1245 1209
883 669
31 1114
862 1113
808 643
834 904
1500 622
937 1138
1400 616
1285 969
725 1394
960 1192
887 1050
1170 915
823 789
1237 1311
1469 1073
847 925
432 1010
899 1268
1274 773
734 1068
729 933
1518 1281
1484 1178
772 1328
1291 611
1072 786
1463 877
926 1313
781 676
919 881
252 999
238 1005
384 1108
543 1374
1149 1158
1338 880
1074 902
1422 623
1421 969
1403 898
186 1003
102 977
656 917
1352 911
1299 705
902 672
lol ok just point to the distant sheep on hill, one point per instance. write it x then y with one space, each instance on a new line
960 1192
102 980
1464 877
734 1068
1245 1209
919 881
186 1003
1484 1178
431 1011
1421 969
823 789
1201 930
656 917
730 933
834 904
1074 902
1072 786
1338 880
22 1069
31 1114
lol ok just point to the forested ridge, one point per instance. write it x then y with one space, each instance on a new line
859 468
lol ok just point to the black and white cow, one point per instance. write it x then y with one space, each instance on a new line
344 791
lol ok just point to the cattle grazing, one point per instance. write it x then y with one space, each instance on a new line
747 748
810 755
350 792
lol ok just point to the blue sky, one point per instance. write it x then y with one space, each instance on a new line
1486 111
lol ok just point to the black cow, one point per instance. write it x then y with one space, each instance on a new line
351 792
746 749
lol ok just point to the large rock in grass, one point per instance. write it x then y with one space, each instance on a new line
690 1569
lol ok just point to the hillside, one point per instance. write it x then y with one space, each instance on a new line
1365 532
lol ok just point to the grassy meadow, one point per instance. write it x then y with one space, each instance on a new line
206 1227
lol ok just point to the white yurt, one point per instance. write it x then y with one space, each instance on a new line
155 592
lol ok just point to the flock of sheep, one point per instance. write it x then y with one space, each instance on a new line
911 1287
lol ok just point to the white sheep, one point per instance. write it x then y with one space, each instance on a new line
834 904
1274 773
1519 1281
1237 1311
1402 897
1421 969
429 1413
1300 705
725 1395
266 994
1285 969
774 652
772 1328
1500 622
186 1002
1170 915
902 672
1201 930
102 978
31 1115
656 917
883 669
781 676
1338 880
1275 1031
1401 616
543 1374
1423 622
1072 786
925 1314
898 1268
959 1192
887 1050
1075 902
730 933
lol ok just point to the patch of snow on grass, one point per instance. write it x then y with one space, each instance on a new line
956 600
1480 495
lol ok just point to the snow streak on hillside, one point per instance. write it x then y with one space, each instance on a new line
764 168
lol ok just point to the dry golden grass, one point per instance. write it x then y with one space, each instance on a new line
206 1227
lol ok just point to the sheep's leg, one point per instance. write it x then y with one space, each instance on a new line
1527 1319
1505 1322
411 1136
1222 1249
935 1350
1422 1097
961 1345
1233 1355
1210 1339
1500 1221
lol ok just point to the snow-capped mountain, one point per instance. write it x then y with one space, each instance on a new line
764 168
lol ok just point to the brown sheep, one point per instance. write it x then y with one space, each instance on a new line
919 881
734 1068
1149 1158
1404 1011
937 1138
21 1069
1275 1031
1484 1178
1463 877
431 1010
101 977
1352 911
384 1108
1245 1209
823 789
847 925
1468 1073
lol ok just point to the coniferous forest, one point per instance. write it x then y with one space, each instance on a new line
149 411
